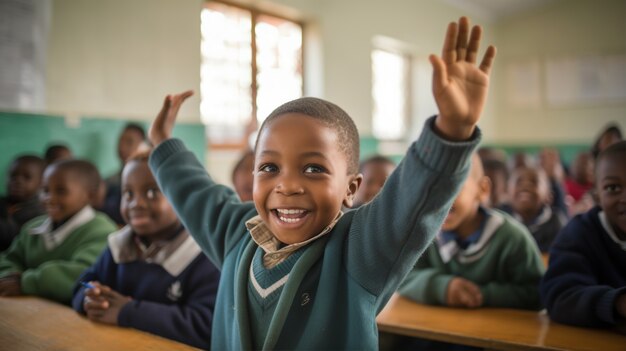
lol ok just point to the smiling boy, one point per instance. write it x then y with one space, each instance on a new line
308 276
585 284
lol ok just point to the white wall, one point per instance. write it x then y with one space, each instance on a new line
119 58
571 28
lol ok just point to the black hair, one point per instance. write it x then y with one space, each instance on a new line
375 159
611 128
496 165
137 128
330 115
85 171
32 159
613 150
53 151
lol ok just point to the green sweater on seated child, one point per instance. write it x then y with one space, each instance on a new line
333 288
49 260
504 262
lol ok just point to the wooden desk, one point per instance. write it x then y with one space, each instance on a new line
492 328
30 324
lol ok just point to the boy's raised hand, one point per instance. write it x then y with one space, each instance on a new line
459 86
163 124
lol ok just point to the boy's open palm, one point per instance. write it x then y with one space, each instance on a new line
459 86
163 124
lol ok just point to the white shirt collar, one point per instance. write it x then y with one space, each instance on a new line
122 246
54 238
609 229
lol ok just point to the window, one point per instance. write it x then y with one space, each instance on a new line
251 63
390 94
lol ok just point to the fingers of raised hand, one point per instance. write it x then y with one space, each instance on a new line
488 59
461 40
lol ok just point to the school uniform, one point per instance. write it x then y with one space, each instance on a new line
172 284
50 259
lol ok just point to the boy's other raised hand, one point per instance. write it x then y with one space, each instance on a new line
163 124
459 86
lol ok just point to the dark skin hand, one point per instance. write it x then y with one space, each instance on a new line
463 293
11 285
103 304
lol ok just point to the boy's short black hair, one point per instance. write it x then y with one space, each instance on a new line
85 171
609 129
53 150
36 161
496 165
375 159
331 116
616 149
136 127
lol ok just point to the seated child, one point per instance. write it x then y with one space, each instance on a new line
529 192
481 258
22 201
52 250
297 272
152 276
585 284
375 171
242 176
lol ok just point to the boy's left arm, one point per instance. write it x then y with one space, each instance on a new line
388 235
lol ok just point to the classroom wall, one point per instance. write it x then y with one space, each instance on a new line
92 138
564 29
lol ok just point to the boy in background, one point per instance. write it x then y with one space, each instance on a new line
52 250
152 276
375 170
529 193
585 284
481 257
129 141
22 201
242 176
297 272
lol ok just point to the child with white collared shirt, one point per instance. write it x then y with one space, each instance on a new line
52 250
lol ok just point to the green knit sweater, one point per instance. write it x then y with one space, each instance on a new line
52 273
340 281
505 263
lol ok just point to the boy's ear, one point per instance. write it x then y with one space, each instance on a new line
484 185
353 187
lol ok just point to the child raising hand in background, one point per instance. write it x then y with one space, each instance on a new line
297 272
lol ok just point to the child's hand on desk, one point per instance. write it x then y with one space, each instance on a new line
161 128
11 285
459 86
463 293
103 304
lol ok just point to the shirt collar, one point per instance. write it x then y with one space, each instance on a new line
173 255
52 238
609 229
274 253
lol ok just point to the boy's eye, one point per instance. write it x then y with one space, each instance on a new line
612 188
268 168
127 195
314 169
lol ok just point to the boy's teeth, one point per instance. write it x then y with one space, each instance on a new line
285 211
289 220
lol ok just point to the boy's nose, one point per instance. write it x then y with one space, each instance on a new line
288 185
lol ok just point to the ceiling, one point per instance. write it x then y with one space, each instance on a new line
496 10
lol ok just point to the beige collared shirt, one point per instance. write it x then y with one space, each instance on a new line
274 254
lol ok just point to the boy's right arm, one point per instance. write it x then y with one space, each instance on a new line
212 213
